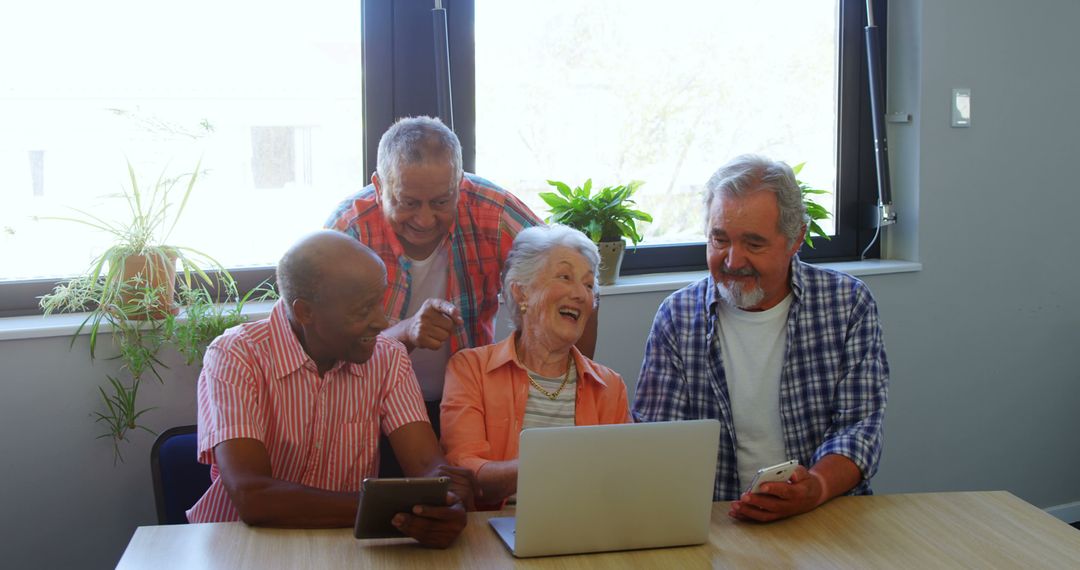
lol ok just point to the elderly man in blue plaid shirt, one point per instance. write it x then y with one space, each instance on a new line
788 356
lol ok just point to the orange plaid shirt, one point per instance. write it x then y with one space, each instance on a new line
488 219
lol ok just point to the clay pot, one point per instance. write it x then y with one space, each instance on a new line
144 275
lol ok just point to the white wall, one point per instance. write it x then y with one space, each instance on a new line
60 486
982 342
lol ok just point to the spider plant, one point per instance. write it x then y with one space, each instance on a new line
204 318
132 287
133 279
122 414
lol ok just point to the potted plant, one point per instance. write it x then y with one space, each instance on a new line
606 217
204 318
132 288
813 209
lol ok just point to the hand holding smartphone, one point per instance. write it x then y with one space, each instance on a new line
780 472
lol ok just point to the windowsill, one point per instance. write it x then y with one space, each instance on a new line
34 326
652 282
37 326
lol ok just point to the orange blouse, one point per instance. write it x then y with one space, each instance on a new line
483 405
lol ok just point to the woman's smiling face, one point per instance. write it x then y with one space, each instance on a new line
559 299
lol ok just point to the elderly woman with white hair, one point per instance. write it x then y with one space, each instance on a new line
536 377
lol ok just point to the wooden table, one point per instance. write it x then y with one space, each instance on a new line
920 531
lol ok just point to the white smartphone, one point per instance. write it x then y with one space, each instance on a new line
780 472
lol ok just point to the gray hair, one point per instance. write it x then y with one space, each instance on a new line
529 253
750 173
415 140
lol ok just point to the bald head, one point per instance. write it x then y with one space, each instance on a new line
326 261
332 287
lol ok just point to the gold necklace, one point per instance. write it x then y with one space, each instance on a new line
552 395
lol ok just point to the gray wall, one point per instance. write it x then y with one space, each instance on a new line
982 342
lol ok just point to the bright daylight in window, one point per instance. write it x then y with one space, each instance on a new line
660 92
267 94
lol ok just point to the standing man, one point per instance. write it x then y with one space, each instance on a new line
444 236
290 407
788 356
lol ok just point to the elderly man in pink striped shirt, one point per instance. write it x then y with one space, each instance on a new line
290 407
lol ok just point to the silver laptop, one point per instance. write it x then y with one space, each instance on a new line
612 487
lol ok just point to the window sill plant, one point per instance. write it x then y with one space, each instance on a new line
814 210
134 287
606 217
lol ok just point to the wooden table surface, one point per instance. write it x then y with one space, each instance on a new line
919 531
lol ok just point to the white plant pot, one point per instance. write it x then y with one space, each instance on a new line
611 254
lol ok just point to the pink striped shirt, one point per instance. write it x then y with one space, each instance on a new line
257 382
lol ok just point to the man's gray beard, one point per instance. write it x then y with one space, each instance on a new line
740 297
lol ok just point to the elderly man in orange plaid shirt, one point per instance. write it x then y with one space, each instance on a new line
444 235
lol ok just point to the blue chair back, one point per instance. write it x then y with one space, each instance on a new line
179 479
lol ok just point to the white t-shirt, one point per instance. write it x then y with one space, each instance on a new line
428 279
753 344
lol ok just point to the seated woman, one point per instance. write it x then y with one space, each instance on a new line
536 377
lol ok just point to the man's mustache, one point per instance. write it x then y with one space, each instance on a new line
744 272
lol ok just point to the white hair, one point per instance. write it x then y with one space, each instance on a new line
410 141
529 253
750 173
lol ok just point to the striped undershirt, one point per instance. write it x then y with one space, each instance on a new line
542 411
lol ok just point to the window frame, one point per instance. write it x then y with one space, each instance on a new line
403 70
398 81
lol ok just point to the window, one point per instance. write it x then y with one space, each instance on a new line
619 91
267 95
534 99
270 97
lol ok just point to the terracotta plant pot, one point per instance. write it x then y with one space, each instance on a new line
145 276
611 254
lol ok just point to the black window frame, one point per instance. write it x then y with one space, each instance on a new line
398 81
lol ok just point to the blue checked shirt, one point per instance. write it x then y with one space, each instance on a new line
833 387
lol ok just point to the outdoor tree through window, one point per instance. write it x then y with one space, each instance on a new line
660 92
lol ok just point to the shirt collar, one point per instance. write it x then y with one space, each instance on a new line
798 278
287 355
505 353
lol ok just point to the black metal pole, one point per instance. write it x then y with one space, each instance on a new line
443 92
877 110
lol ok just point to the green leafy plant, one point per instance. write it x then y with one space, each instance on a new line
138 344
813 209
106 290
205 319
139 303
605 216
121 415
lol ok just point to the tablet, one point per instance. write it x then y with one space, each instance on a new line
381 499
